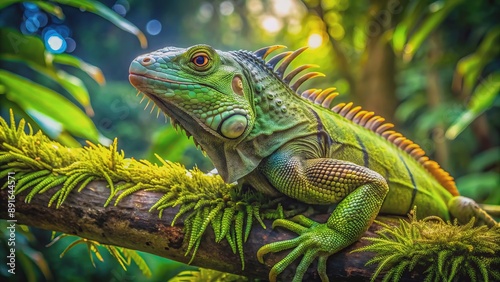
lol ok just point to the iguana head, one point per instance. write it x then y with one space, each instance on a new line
202 90
232 103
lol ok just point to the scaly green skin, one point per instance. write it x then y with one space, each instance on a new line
256 129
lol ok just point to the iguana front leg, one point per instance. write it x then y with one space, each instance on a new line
359 190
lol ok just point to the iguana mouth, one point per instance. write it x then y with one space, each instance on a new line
132 74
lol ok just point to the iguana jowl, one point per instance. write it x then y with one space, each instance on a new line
255 126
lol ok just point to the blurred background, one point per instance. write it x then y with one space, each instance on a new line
430 67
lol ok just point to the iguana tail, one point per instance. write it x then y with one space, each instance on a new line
463 209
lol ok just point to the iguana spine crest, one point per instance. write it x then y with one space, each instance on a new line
355 114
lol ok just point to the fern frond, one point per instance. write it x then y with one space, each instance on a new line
454 267
482 268
227 220
68 186
128 189
115 252
194 226
386 260
398 271
138 260
184 209
86 181
238 229
256 214
31 180
210 216
441 257
47 183
249 221
196 236
216 226
471 272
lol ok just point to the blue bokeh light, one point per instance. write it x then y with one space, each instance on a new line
120 9
71 44
153 27
55 34
32 25
30 6
54 42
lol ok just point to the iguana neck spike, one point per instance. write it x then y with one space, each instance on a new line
287 58
291 75
304 78
311 94
284 65
326 97
276 59
264 52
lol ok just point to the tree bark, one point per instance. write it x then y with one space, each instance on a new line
376 87
434 96
131 225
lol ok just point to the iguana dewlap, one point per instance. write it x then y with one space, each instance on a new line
248 116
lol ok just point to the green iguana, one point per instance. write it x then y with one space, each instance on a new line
257 128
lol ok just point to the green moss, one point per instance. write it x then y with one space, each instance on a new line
205 200
446 251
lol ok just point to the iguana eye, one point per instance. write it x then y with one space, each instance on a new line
200 59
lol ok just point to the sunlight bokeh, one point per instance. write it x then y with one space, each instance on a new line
271 24
315 40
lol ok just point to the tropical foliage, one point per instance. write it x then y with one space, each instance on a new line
54 113
430 67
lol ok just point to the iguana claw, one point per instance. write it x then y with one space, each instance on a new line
315 241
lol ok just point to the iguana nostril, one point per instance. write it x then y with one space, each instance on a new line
146 61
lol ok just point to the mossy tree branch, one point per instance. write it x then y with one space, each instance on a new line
130 224
96 193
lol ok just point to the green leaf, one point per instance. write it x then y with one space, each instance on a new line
410 107
470 67
409 20
483 185
138 260
482 99
32 96
437 15
49 8
105 12
93 71
30 50
19 47
6 3
72 84
28 269
44 5
76 88
485 159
